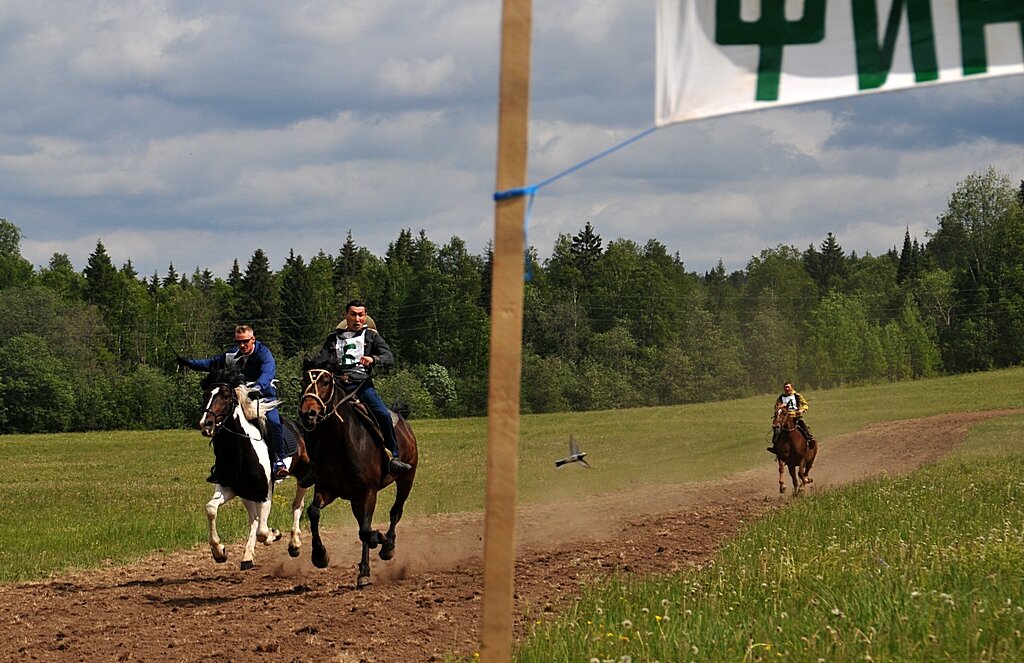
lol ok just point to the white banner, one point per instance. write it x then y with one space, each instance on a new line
727 56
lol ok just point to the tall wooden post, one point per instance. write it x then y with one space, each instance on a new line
506 336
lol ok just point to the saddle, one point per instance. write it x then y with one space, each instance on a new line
370 421
291 443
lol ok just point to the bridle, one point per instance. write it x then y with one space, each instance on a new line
219 419
310 392
786 423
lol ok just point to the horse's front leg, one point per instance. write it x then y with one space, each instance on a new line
220 553
319 555
294 542
792 474
782 483
403 488
253 509
362 509
264 533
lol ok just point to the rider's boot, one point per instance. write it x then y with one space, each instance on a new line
278 471
396 466
811 442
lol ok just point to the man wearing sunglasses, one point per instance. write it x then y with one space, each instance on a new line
257 364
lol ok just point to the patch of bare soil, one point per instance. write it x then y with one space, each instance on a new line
426 602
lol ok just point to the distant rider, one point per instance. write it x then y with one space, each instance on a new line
359 349
257 364
797 405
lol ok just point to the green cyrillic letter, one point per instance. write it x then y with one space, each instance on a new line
974 16
771 32
874 60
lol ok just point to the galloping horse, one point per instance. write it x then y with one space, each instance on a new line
243 463
349 461
791 449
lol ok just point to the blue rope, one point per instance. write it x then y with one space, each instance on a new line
532 189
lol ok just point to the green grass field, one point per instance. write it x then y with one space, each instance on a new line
929 567
83 500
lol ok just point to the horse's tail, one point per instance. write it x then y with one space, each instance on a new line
401 408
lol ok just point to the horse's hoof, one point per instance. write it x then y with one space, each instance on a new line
321 561
363 581
387 552
782 490
293 551
275 535
247 565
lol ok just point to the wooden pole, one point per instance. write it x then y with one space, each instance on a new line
506 336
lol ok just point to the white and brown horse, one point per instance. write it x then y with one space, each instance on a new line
243 463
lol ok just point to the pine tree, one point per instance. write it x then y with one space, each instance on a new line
100 279
259 303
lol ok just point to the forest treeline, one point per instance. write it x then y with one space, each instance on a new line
606 324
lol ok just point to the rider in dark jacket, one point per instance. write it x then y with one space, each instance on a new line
359 350
257 364
797 405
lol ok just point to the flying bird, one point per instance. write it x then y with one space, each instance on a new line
575 455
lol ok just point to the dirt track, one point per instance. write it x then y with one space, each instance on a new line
426 602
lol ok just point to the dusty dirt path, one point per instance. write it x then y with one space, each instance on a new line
426 602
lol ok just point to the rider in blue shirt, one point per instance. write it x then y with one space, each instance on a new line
257 364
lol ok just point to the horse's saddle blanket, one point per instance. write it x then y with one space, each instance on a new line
291 443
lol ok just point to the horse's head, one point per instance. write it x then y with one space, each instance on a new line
318 385
220 395
781 417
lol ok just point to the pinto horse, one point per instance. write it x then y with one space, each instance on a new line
791 449
349 461
243 463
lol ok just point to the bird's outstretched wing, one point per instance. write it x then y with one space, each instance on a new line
574 448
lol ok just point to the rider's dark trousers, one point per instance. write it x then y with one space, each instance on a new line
381 413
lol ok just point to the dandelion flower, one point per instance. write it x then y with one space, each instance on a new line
627 624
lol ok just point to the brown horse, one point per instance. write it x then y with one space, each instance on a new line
243 463
349 461
791 449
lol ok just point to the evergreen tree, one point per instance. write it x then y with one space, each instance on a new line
172 277
100 279
259 301
299 333
60 277
907 259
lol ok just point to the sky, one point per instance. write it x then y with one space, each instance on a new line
194 133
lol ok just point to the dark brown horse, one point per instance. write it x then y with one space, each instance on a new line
349 461
791 449
243 463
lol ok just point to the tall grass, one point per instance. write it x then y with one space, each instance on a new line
925 567
82 500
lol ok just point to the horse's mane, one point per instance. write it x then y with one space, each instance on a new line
324 359
232 377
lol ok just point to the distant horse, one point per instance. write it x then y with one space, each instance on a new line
243 463
791 449
349 461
